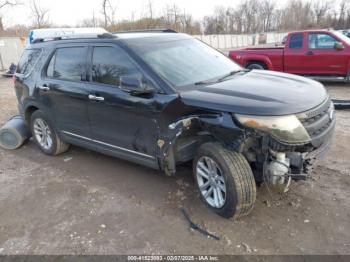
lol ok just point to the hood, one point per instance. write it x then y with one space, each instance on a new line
258 92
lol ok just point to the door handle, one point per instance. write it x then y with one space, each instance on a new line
44 88
309 53
96 98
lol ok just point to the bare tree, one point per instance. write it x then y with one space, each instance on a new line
244 17
320 9
297 14
172 14
254 16
91 22
266 12
237 19
40 14
108 11
9 3
132 15
149 19
187 24
343 10
4 4
150 9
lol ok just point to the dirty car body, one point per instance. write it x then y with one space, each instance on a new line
167 95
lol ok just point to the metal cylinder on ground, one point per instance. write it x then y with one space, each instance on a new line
14 133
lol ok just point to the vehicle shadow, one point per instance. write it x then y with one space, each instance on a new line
146 186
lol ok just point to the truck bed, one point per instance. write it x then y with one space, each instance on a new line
263 48
274 54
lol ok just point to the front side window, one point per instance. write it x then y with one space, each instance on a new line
109 64
321 41
185 62
28 60
296 41
68 63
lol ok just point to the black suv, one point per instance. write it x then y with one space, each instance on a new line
164 98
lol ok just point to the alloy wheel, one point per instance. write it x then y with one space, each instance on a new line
43 133
211 182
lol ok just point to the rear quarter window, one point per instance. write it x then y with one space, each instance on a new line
296 41
28 60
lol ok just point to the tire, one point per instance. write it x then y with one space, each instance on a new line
256 65
38 121
239 182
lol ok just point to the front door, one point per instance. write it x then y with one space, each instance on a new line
121 123
322 58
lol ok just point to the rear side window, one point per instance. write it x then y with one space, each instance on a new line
296 41
68 63
109 63
28 60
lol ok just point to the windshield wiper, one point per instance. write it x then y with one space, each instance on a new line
231 74
221 78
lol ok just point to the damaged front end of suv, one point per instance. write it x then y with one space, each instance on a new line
281 148
278 148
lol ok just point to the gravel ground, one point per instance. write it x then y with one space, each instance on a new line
83 202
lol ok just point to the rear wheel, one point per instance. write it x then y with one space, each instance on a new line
256 65
45 136
225 180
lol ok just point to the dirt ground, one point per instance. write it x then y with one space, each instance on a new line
86 203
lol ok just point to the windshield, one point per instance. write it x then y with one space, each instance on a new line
342 37
185 62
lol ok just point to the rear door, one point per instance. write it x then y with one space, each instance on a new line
294 54
63 92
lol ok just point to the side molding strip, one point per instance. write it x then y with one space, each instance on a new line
109 145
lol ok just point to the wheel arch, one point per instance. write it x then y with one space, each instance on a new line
260 59
183 137
263 64
29 110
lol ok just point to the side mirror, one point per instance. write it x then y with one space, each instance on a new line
339 46
134 85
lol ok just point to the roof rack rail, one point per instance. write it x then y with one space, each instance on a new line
153 30
76 36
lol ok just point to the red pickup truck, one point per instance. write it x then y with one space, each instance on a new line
320 54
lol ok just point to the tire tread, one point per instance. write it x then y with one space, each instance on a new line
61 146
243 178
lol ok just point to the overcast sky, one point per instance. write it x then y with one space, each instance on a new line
71 12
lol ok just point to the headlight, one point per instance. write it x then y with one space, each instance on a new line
286 129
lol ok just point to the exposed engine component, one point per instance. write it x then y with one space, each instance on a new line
278 169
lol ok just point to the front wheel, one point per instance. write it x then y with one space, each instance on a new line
225 180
